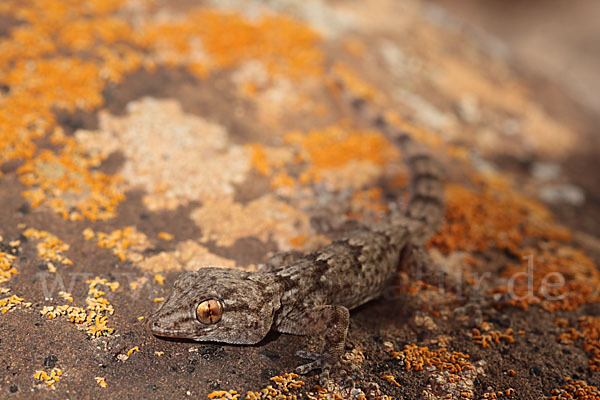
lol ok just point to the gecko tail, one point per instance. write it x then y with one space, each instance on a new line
425 209
426 203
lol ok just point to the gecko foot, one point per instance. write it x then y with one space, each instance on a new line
308 355
318 363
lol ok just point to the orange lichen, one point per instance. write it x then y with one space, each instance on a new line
337 147
575 390
555 276
285 385
258 158
493 217
589 333
165 236
228 40
99 43
484 335
224 395
353 83
451 373
391 380
417 358
369 201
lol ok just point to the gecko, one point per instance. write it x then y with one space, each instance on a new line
311 294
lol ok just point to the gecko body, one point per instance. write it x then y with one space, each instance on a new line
309 294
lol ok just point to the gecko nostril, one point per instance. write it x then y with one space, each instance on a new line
154 325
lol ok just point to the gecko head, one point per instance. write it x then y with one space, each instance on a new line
216 304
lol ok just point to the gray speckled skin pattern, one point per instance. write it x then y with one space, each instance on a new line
311 294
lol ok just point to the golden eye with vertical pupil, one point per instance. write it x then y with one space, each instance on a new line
209 311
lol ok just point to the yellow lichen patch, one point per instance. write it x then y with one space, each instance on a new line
51 378
67 183
101 381
40 83
188 255
10 303
94 317
484 335
158 299
132 350
258 158
88 233
7 270
353 83
224 395
285 386
126 243
99 328
160 279
165 236
103 45
50 247
555 276
140 281
66 296
575 390
494 217
589 333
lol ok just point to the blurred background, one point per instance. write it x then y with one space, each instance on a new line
556 38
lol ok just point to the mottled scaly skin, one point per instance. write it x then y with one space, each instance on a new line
312 294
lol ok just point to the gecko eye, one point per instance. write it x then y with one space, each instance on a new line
209 311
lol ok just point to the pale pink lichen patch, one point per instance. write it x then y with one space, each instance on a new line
174 157
223 221
188 255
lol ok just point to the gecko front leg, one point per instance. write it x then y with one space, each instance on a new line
330 322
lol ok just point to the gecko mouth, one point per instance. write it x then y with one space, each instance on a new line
158 330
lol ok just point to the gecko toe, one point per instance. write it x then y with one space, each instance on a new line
324 380
308 355
306 368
